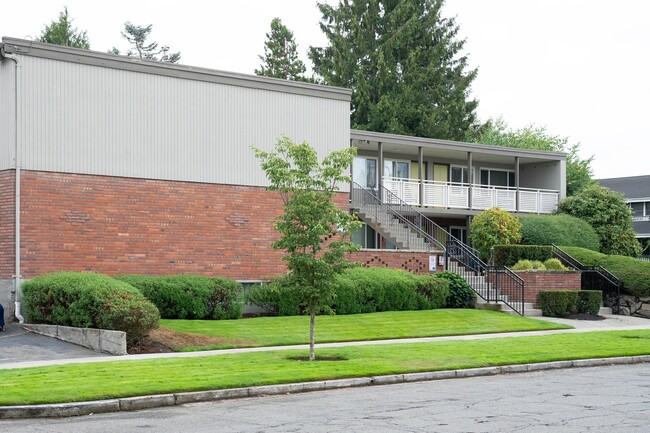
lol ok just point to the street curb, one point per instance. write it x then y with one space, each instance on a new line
151 401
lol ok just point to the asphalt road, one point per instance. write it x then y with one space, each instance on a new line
600 399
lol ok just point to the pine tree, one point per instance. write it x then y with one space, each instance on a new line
403 61
137 37
61 32
280 59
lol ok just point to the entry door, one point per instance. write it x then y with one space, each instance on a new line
441 172
414 170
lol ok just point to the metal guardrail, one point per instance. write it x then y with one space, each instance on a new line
491 283
594 278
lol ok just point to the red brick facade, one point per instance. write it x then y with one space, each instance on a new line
413 261
534 282
119 225
7 224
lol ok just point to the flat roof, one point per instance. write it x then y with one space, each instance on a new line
434 143
136 64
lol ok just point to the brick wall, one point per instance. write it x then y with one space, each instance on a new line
548 280
7 224
119 225
412 261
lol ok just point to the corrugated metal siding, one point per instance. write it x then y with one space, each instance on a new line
86 119
7 114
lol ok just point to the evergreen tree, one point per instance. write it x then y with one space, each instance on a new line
280 59
61 32
402 60
137 37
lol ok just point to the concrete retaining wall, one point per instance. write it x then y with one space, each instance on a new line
100 340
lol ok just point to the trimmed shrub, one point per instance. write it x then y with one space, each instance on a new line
494 227
558 303
558 230
589 301
460 293
554 265
508 255
190 296
89 300
633 273
529 265
360 290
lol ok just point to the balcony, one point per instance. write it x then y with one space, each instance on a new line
451 195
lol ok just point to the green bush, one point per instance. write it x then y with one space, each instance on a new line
508 255
190 296
558 230
529 265
633 273
89 300
589 301
360 290
558 303
460 293
554 265
494 227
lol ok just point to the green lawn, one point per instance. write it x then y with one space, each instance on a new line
280 331
80 382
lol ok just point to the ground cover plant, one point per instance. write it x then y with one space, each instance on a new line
94 381
277 331
89 300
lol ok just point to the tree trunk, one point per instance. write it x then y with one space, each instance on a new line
312 321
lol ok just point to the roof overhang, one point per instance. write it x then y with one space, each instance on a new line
134 64
409 146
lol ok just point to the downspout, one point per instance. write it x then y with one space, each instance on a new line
17 276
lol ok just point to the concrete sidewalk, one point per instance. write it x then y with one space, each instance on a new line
611 323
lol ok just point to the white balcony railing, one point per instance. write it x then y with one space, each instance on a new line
456 196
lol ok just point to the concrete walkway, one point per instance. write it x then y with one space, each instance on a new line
611 323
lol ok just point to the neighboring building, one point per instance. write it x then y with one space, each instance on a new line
636 190
120 165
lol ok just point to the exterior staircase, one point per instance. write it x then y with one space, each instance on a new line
495 287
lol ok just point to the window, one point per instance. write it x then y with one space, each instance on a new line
637 209
364 172
459 174
399 169
494 177
459 233
364 236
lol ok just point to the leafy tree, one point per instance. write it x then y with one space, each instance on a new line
578 171
494 227
402 59
280 59
314 231
61 32
609 215
137 37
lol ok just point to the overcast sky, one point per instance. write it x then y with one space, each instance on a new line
579 67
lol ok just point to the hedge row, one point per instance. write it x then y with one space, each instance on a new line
89 300
558 230
633 273
369 290
561 303
509 255
190 296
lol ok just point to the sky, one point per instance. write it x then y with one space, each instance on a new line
578 67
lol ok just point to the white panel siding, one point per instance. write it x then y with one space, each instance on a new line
87 119
7 114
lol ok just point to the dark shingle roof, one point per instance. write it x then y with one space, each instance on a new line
631 187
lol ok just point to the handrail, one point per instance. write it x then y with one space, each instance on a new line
369 198
614 289
490 283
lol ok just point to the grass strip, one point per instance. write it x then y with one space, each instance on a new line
81 382
281 331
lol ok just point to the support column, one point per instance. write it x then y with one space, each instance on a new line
421 173
351 175
470 178
380 169
468 222
517 183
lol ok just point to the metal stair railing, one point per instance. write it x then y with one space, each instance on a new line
594 278
491 283
423 227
